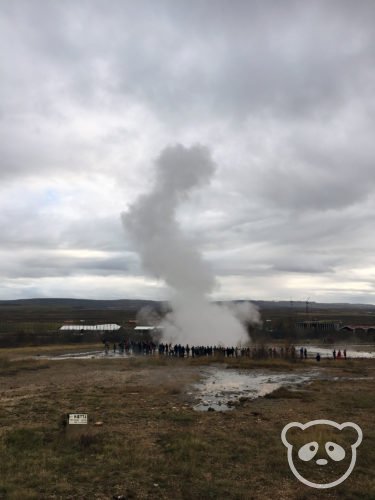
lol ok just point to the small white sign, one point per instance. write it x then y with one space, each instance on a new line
78 418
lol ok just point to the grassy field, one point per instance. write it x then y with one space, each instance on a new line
151 444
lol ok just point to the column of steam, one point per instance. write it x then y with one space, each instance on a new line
169 255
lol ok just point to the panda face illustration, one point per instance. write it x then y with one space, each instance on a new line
322 453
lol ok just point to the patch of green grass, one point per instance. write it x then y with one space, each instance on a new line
269 364
181 418
362 401
10 368
285 393
21 440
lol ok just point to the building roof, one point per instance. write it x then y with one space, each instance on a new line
146 328
362 327
99 328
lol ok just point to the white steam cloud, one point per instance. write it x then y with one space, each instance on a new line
169 255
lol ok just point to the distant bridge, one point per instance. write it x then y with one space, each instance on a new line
358 328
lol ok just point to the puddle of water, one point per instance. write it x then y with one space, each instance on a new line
325 352
85 355
337 379
222 389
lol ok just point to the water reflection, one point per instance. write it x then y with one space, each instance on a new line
222 389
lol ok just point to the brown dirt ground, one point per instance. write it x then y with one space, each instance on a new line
152 444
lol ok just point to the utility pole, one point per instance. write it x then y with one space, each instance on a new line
307 305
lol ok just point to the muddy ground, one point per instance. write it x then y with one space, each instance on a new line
150 443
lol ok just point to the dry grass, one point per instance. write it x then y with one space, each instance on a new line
152 444
49 350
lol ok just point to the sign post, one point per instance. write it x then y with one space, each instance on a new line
76 425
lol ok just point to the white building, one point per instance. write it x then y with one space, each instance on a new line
108 327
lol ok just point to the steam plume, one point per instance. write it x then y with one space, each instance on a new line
169 255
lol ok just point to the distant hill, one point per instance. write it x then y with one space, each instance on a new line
84 304
271 304
136 304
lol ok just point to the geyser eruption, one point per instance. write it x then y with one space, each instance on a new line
169 255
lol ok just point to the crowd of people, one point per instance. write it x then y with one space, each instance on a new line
338 354
179 350
130 347
182 351
185 351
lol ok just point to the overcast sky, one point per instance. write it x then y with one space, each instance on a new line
281 92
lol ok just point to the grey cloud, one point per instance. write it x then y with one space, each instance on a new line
255 261
98 233
242 60
314 188
307 265
320 176
258 63
186 64
37 225
281 93
52 264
